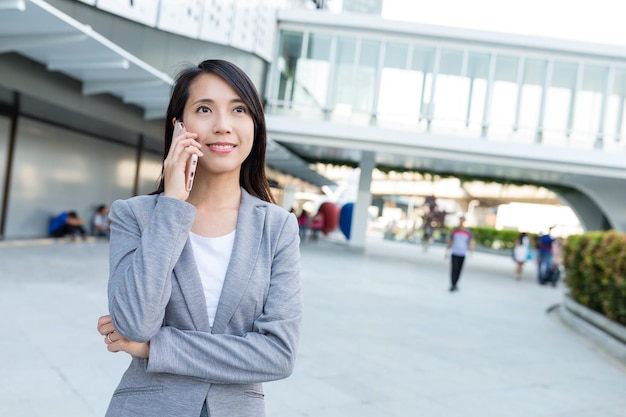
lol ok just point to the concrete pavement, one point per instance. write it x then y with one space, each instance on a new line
382 337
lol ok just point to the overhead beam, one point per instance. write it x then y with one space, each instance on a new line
16 43
156 97
86 63
13 5
105 86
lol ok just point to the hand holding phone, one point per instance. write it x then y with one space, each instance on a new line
192 162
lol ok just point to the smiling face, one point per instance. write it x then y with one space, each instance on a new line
223 123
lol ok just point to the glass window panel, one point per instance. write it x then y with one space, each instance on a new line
310 87
478 65
422 66
395 106
506 68
318 47
614 112
477 105
423 59
451 100
594 78
346 48
478 73
451 93
535 71
619 82
370 52
343 80
615 123
532 89
399 98
611 123
558 102
503 105
451 62
504 97
395 55
564 75
589 105
289 49
367 72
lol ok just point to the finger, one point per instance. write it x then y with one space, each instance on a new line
106 329
185 139
111 337
113 347
191 145
194 150
118 345
103 320
179 152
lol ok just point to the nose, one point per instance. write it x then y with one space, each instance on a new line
222 123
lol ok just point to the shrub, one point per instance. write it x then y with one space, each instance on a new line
492 238
596 272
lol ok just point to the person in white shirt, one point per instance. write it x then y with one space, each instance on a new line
101 222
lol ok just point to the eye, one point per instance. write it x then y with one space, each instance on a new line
240 109
203 109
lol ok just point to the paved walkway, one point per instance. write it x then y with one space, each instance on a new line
382 337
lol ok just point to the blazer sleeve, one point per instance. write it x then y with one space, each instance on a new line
264 354
144 247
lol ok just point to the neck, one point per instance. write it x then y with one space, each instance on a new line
215 195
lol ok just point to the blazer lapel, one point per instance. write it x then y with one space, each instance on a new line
247 243
190 285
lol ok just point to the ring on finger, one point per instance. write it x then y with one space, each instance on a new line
109 338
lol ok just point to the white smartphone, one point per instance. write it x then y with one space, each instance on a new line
190 168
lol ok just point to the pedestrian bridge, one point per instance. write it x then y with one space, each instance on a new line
451 101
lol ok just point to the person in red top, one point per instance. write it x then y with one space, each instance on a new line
316 226
460 242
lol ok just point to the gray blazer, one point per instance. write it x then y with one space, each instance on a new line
155 294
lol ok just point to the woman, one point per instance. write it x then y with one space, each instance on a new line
520 253
204 287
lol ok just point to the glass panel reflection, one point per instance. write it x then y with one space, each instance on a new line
366 74
451 93
343 85
588 106
559 100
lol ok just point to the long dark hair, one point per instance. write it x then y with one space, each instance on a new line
252 176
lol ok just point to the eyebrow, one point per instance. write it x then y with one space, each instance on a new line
208 100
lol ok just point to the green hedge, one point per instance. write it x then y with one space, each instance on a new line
492 238
596 272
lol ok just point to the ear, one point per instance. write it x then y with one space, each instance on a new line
173 121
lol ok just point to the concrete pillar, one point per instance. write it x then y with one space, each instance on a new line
608 195
358 228
588 212
289 197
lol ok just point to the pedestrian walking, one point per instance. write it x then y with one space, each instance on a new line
545 256
521 250
427 235
460 243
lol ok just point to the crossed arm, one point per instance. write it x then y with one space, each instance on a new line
116 343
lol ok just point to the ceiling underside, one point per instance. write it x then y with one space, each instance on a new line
40 32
